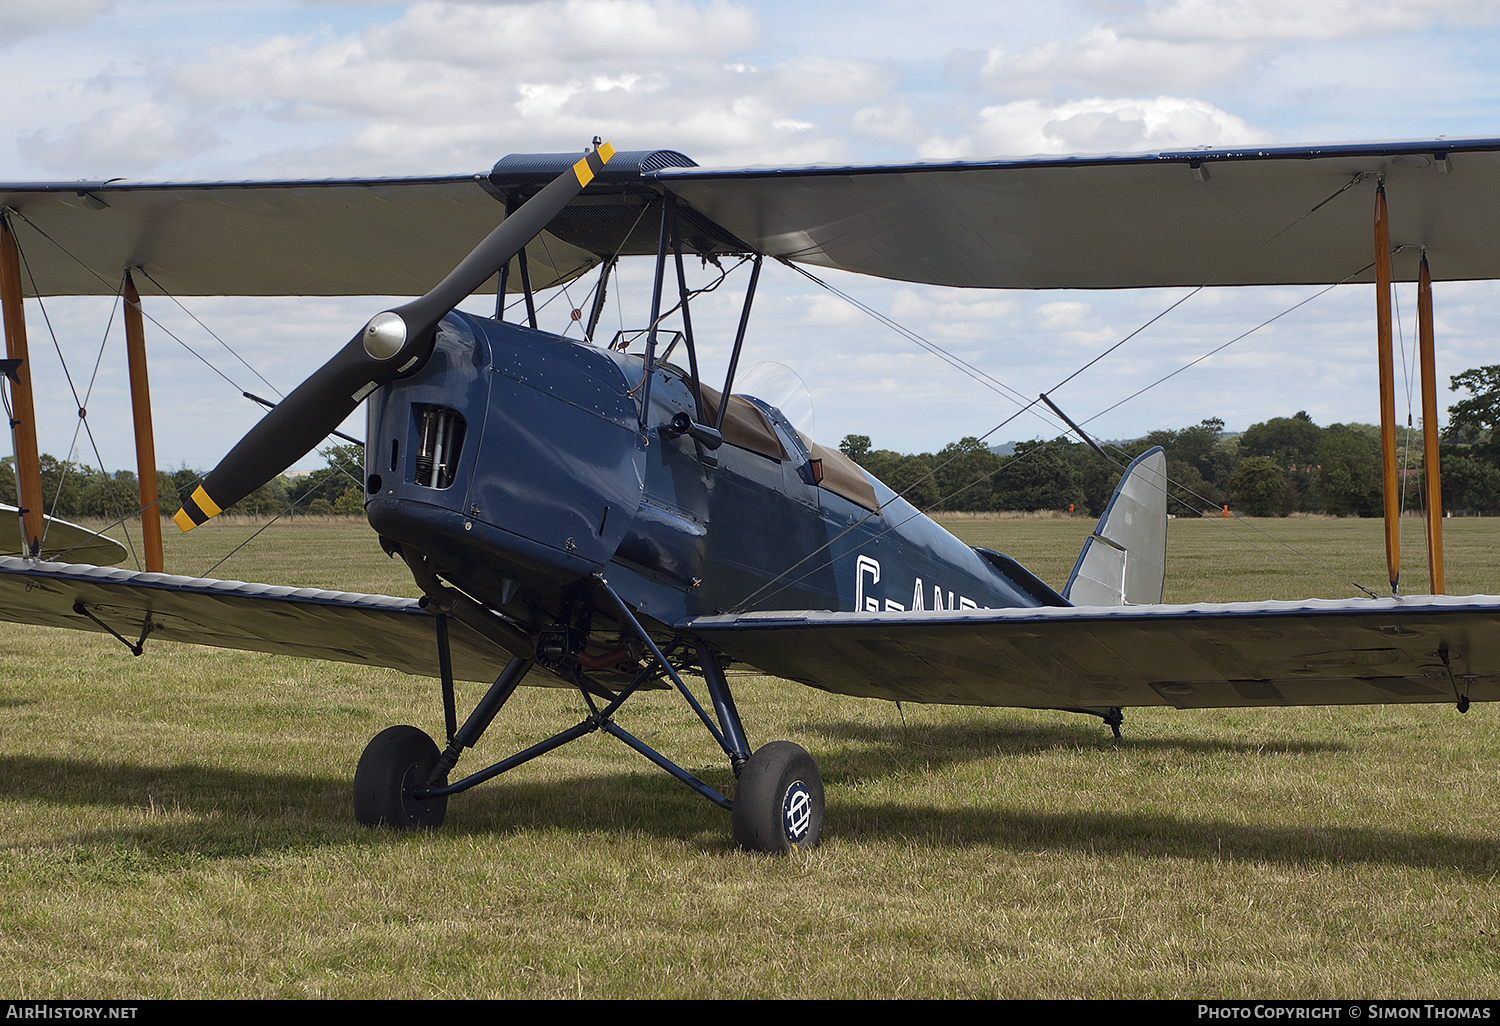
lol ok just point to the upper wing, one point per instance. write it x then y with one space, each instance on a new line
1316 652
1224 217
1227 217
350 237
373 630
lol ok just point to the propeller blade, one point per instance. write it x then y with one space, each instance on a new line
392 343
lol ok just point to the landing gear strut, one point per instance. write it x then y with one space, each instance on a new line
402 778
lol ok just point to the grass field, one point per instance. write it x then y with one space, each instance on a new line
179 825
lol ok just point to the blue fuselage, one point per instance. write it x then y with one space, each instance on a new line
522 464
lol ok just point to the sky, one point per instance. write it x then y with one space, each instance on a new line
246 89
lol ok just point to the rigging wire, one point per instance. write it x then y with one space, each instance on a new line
1245 334
81 405
165 330
1003 389
122 519
1355 180
147 275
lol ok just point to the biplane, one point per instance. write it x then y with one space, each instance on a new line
602 517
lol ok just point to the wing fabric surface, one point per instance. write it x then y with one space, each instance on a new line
1225 217
1222 217
357 238
1316 652
372 630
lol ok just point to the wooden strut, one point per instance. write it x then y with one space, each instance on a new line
1430 455
145 442
1386 360
23 408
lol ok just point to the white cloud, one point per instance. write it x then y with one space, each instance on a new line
1188 46
21 18
1105 61
450 85
1281 20
125 139
895 122
1096 125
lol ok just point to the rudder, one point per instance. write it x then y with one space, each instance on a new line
1124 562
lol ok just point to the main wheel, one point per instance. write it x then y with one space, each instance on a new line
778 805
395 763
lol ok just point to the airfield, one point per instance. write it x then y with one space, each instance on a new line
178 825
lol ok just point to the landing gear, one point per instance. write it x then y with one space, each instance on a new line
778 805
403 780
395 763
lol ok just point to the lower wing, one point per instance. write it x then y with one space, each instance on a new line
373 630
1315 652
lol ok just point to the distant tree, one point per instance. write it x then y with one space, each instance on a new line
1189 490
1290 441
856 447
346 469
1199 462
60 484
1349 471
1038 475
268 500
1473 420
171 486
348 458
1098 476
1258 487
962 473
107 495
351 503
911 478
1469 483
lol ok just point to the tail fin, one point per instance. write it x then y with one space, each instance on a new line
1124 562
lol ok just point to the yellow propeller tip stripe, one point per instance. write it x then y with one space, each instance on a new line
584 173
183 521
206 504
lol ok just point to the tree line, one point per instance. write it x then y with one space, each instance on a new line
1274 468
71 490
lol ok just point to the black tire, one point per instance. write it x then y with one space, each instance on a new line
396 762
778 804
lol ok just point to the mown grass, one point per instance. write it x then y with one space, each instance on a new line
178 825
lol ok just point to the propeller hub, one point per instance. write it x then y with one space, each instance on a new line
384 335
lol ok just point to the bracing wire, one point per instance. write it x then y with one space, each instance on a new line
213 334
1010 393
81 404
121 518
